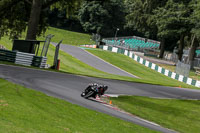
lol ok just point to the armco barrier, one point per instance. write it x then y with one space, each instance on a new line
43 62
153 66
39 61
6 55
22 58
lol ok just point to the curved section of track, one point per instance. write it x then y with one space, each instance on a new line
69 87
93 61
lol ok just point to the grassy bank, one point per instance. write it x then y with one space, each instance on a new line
26 110
68 37
146 74
180 115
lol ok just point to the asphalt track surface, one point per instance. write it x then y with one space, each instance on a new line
92 60
69 87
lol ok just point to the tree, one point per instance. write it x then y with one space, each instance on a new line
195 20
102 17
65 16
173 20
140 17
12 12
34 20
14 21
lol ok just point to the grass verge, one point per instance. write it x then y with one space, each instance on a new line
180 115
68 37
146 74
26 110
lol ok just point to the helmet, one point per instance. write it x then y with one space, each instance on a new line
95 84
100 86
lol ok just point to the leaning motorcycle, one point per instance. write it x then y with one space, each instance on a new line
92 91
89 92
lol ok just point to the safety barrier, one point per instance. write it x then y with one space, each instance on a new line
6 55
39 61
153 66
22 58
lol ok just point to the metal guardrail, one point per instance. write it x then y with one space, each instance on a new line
43 62
39 61
6 55
22 58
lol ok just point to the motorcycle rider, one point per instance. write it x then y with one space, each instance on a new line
100 89
93 86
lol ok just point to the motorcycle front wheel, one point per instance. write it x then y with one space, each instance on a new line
83 94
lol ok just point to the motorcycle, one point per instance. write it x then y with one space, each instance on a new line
93 91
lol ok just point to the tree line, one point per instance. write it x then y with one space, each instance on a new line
175 23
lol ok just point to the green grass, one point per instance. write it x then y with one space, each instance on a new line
5 41
146 74
169 67
26 110
68 37
180 115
